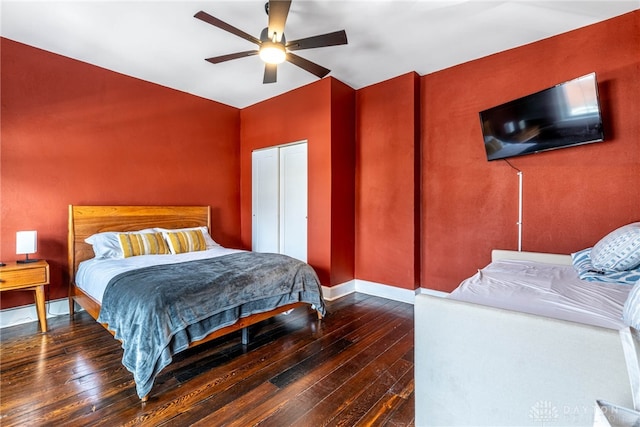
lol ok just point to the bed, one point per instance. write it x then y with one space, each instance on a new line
525 359
160 284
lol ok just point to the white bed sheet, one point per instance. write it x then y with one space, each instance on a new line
94 274
545 289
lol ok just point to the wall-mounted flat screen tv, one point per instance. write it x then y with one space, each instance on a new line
565 115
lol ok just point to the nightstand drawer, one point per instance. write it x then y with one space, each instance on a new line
23 277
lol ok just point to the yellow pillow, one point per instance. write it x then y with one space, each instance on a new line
134 244
186 241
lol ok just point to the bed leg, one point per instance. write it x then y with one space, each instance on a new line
245 336
319 314
144 399
72 307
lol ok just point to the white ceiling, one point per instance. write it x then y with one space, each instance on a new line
161 41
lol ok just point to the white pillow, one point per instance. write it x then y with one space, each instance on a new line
107 244
631 311
205 231
618 250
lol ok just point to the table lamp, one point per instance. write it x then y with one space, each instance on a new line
26 243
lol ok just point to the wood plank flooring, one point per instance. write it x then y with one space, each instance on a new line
354 368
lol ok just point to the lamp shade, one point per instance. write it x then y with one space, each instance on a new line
26 242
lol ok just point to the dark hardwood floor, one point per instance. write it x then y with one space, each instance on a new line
353 368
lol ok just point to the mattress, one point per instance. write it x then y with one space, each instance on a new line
94 274
545 289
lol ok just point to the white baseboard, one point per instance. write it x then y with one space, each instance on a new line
28 313
338 291
370 288
385 291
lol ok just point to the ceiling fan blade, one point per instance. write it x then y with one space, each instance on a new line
329 39
307 65
203 16
270 73
278 11
229 57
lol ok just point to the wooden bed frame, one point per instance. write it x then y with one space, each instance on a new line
85 221
485 366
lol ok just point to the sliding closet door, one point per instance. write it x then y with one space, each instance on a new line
266 200
293 201
279 222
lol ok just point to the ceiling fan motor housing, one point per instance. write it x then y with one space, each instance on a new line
264 36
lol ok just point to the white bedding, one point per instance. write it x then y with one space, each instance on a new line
545 289
94 274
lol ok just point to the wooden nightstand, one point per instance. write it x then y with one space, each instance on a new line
33 276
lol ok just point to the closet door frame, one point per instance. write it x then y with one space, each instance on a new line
279 205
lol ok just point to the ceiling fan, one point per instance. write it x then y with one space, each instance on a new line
273 47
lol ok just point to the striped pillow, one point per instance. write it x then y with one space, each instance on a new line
185 241
618 250
134 244
205 232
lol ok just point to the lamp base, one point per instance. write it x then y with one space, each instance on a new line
27 260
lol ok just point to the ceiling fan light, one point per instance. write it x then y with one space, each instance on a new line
272 53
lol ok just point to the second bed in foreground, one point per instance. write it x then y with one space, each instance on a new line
531 357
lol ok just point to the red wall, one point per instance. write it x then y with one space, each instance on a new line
343 163
307 113
572 197
73 133
387 182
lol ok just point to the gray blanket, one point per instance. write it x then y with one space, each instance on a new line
158 311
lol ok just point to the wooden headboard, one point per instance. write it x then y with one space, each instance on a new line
85 221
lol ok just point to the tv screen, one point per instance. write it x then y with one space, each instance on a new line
565 115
